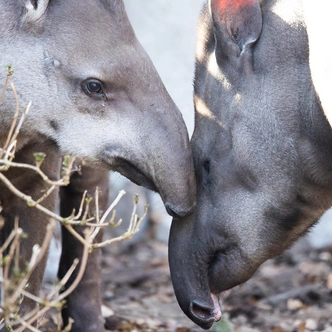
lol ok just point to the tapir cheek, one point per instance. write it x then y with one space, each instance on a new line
224 271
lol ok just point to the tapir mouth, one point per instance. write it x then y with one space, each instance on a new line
133 173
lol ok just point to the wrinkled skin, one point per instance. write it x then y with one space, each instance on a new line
95 94
262 151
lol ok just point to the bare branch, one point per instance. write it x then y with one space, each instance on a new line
13 289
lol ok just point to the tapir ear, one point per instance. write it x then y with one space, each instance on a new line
35 9
241 20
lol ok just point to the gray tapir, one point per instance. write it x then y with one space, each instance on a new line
95 94
262 148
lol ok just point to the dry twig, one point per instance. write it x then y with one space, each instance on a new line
13 289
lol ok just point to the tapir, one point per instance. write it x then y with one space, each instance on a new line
94 94
262 144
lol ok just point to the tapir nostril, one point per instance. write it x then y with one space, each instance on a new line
201 314
201 310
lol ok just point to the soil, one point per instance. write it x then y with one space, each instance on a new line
291 293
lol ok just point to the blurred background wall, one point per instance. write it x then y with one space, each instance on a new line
167 31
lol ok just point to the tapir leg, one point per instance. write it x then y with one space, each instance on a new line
84 304
30 219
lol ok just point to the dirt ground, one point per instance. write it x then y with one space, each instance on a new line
290 293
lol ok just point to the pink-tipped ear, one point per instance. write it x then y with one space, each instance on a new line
241 19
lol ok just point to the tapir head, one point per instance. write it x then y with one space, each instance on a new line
95 92
262 150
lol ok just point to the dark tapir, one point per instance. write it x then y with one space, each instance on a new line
262 149
95 94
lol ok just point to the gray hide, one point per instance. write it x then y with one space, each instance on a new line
95 94
262 150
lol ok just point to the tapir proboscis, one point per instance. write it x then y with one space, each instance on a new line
262 144
95 94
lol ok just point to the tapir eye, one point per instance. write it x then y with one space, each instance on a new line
93 88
